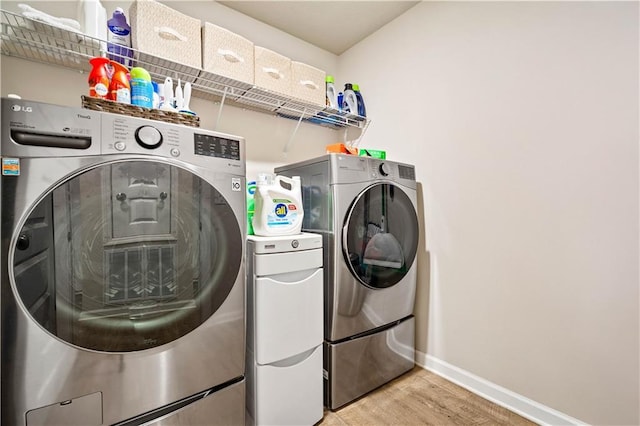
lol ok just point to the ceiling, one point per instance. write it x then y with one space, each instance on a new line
334 26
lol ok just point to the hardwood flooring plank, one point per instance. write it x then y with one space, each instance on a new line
420 397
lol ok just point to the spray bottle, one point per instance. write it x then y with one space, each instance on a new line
99 78
119 89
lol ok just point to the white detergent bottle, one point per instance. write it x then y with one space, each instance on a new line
350 101
277 206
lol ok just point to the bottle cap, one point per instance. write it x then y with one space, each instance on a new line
348 86
141 73
329 79
356 87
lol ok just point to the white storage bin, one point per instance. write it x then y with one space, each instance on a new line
272 71
308 83
161 31
227 54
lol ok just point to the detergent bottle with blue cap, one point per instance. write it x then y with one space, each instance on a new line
277 206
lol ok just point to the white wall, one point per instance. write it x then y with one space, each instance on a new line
266 135
522 119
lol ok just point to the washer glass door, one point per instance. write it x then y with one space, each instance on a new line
127 256
380 236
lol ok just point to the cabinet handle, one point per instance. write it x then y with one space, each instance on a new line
169 33
230 55
273 72
310 84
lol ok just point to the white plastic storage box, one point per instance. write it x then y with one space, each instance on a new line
227 54
308 83
272 71
161 31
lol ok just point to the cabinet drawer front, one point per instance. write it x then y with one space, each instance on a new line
290 395
288 317
278 263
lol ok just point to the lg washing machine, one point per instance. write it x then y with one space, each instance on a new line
122 270
365 208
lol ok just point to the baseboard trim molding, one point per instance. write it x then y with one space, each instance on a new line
517 403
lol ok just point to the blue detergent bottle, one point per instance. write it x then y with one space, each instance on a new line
362 111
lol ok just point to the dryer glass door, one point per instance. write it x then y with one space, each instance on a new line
380 236
127 256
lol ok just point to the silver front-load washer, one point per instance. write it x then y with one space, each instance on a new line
122 268
366 210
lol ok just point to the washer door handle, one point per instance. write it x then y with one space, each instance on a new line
345 229
23 242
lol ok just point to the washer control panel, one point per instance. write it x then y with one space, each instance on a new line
131 135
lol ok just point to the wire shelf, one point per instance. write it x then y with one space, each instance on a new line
34 40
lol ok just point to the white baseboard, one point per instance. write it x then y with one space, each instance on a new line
517 403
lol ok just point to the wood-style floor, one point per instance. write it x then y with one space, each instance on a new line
420 397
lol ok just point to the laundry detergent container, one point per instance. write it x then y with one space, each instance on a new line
162 32
227 54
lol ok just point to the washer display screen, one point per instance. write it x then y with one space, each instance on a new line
214 146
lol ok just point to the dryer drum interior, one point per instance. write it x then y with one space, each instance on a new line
380 237
126 256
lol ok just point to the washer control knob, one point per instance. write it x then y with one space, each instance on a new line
148 137
384 169
295 243
175 152
120 146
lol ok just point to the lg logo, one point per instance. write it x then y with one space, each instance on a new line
18 108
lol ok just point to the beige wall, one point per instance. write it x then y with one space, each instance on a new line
522 119
266 135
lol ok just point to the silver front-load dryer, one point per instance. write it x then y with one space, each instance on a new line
366 210
122 256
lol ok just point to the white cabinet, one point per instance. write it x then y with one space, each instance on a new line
284 329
